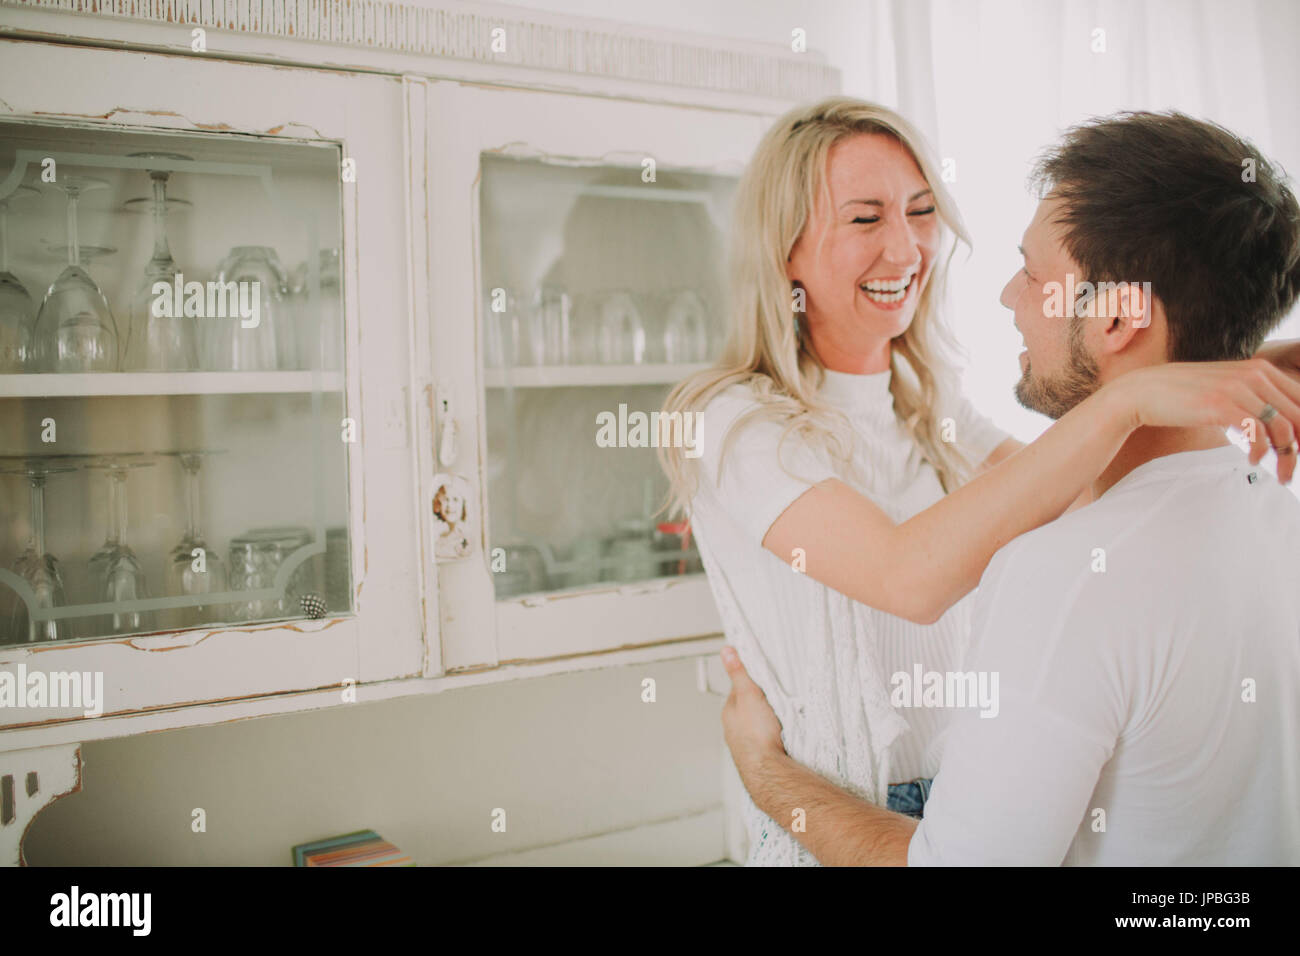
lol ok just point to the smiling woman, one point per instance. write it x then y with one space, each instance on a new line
833 498
870 261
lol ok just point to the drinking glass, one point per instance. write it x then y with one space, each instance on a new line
114 568
686 337
532 334
319 321
525 571
502 342
183 577
552 309
35 565
75 329
267 342
584 345
585 557
17 310
631 552
159 342
255 560
622 333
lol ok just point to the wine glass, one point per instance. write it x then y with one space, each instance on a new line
193 568
75 330
159 342
114 567
17 310
35 565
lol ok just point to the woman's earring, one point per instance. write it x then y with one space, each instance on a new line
798 304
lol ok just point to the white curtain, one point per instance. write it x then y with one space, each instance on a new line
993 81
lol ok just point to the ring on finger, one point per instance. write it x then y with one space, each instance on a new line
1268 414
1291 449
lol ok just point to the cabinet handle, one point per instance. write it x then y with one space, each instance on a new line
446 428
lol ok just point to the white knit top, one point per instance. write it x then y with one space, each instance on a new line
823 660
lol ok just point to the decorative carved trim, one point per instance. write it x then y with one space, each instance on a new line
31 780
466 34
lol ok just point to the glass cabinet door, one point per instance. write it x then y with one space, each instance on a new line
587 238
601 290
173 418
276 447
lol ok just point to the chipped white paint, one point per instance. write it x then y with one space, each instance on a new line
34 779
464 32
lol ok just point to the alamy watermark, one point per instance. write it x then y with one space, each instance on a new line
130 910
53 689
946 689
211 300
650 430
1085 298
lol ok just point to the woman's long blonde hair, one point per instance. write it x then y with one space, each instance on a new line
767 348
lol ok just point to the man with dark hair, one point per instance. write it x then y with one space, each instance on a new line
1146 647
1186 209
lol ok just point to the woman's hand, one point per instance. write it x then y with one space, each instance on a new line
1227 394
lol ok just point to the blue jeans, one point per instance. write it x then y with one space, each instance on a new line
909 798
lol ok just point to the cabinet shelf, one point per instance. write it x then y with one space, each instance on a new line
76 385
559 376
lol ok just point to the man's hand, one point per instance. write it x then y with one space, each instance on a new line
1284 353
835 826
749 723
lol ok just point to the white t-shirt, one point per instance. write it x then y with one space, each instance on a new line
823 660
1149 713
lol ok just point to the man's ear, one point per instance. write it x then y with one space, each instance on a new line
1121 311
1136 303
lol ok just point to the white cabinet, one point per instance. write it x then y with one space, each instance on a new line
577 258
304 441
443 460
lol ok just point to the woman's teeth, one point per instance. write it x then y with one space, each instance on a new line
887 290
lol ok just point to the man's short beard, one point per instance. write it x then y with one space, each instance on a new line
1055 396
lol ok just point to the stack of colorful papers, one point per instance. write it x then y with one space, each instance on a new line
363 848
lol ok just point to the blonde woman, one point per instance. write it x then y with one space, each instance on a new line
848 498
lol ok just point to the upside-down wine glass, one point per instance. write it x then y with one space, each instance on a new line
159 342
17 310
75 330
115 568
194 568
40 569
